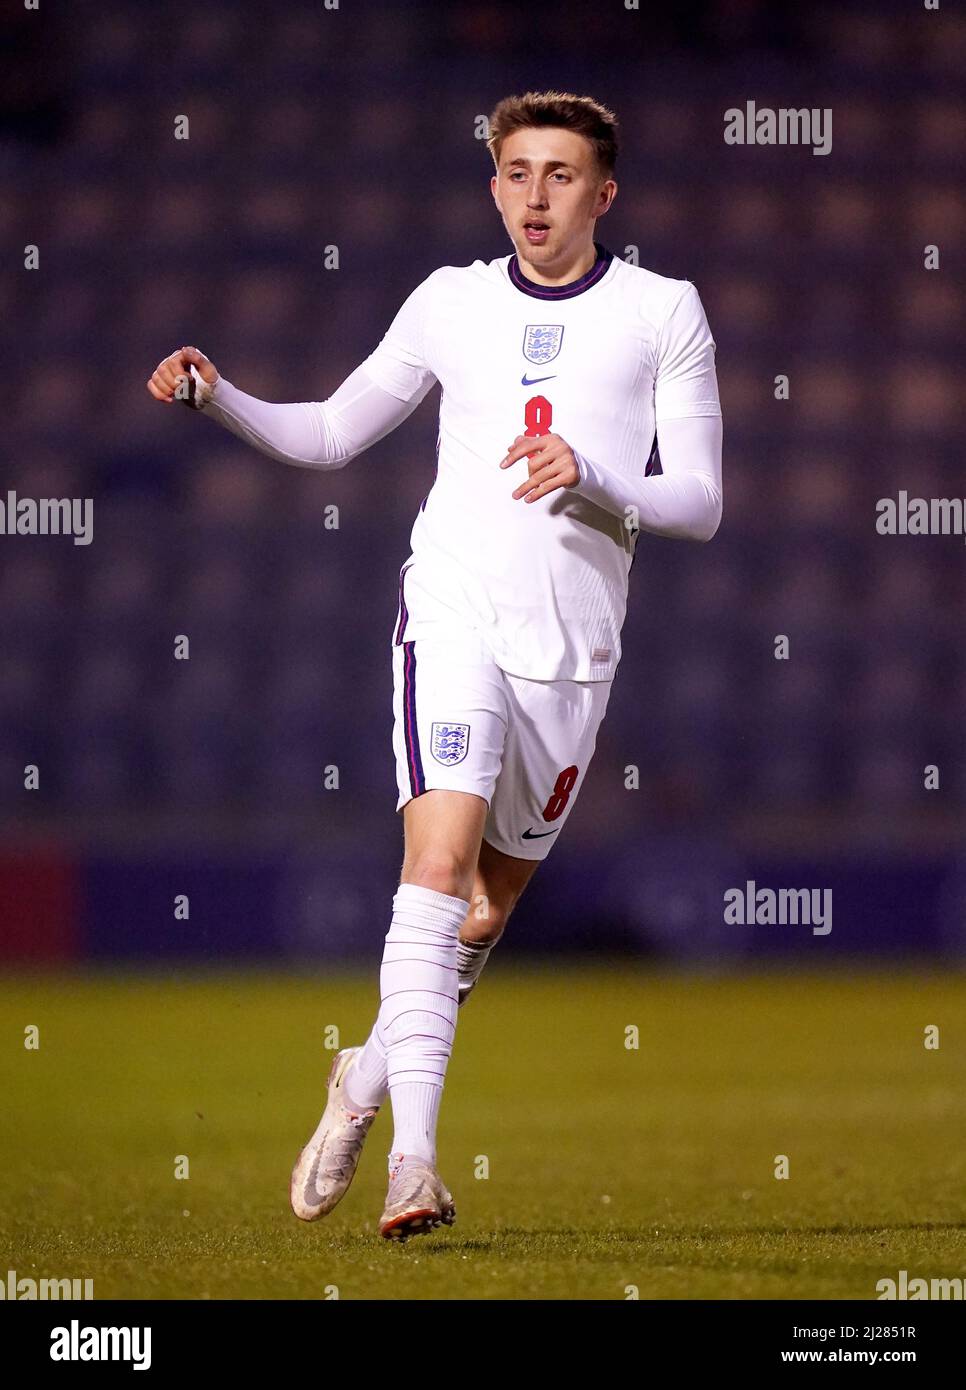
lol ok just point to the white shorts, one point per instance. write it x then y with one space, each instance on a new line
461 723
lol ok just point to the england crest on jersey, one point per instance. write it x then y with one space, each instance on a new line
541 342
450 742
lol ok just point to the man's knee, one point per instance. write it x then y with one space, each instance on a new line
443 833
485 920
440 871
498 885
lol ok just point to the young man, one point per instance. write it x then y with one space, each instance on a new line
560 366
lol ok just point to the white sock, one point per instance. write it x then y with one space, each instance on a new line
470 960
418 1102
367 1084
417 1015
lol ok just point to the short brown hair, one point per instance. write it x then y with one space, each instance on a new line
582 115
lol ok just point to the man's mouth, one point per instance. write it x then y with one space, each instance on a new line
536 231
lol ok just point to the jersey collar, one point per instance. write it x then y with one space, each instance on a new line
590 277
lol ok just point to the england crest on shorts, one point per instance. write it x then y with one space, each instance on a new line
541 342
450 742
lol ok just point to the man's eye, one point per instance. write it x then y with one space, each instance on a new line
518 174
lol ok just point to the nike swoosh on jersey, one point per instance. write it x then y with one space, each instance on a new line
529 835
532 380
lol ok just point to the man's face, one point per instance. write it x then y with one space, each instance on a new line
548 178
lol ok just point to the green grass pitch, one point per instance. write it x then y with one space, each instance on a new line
608 1166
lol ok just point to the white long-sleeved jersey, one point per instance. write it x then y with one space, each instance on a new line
610 362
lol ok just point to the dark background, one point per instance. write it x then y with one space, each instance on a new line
357 129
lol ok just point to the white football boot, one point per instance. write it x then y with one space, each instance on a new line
327 1164
417 1201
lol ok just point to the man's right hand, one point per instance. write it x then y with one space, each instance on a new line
172 379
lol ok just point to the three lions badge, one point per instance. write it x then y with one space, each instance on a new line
450 742
541 342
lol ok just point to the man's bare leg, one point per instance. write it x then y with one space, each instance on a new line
409 1047
411 1041
442 836
498 883
444 831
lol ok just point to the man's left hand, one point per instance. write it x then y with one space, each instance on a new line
551 462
